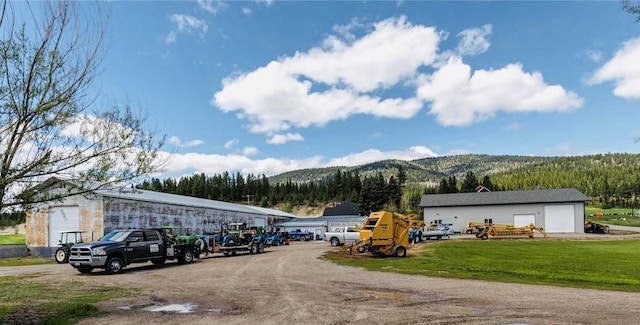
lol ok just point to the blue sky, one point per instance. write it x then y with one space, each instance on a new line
266 87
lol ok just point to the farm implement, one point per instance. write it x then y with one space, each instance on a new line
509 231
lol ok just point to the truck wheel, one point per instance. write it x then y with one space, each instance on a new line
254 249
114 265
335 242
85 270
361 249
261 248
186 258
400 251
484 236
62 256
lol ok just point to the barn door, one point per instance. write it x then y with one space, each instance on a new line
60 219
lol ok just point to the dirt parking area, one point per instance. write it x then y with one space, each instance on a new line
291 285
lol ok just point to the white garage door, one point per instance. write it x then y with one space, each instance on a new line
559 218
520 220
62 218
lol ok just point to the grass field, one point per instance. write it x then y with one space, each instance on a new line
599 264
19 239
25 301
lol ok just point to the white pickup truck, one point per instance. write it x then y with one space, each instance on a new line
342 235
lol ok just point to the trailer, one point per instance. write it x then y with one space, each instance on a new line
237 238
439 232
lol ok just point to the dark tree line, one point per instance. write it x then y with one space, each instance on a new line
371 193
470 183
8 219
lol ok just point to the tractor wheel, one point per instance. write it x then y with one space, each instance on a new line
484 236
62 255
201 244
400 251
114 265
478 235
186 258
261 248
254 249
362 249
335 242
85 270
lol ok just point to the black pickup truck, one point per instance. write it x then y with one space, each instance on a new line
119 248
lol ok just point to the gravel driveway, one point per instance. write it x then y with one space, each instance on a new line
290 285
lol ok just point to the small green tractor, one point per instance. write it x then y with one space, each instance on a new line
67 239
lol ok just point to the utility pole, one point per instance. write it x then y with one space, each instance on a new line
249 196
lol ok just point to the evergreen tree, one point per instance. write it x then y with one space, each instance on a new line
470 183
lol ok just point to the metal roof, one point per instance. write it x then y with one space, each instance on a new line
158 197
503 197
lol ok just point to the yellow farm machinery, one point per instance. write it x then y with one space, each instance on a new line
509 231
384 233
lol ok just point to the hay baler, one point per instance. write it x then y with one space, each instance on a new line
384 233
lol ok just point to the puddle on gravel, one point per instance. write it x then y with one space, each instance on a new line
170 308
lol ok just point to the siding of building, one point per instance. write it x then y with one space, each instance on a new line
124 214
99 213
504 207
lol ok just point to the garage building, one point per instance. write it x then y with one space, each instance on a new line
105 210
555 210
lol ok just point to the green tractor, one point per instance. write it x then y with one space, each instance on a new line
178 235
67 239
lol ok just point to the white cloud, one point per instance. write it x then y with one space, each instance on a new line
460 97
593 55
246 11
284 138
179 143
623 69
474 40
515 126
250 151
265 2
217 164
186 24
231 143
171 37
371 155
212 6
349 75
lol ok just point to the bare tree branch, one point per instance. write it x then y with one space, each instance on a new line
48 126
632 7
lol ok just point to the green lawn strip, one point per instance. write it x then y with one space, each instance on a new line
17 239
51 303
607 265
23 261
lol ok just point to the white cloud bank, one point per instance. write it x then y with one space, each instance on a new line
349 75
623 69
185 24
188 163
179 143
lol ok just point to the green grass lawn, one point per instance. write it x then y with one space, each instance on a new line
19 239
25 301
600 264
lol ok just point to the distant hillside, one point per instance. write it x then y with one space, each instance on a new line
615 175
427 171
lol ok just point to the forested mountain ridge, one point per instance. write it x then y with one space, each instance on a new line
612 174
609 179
425 172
